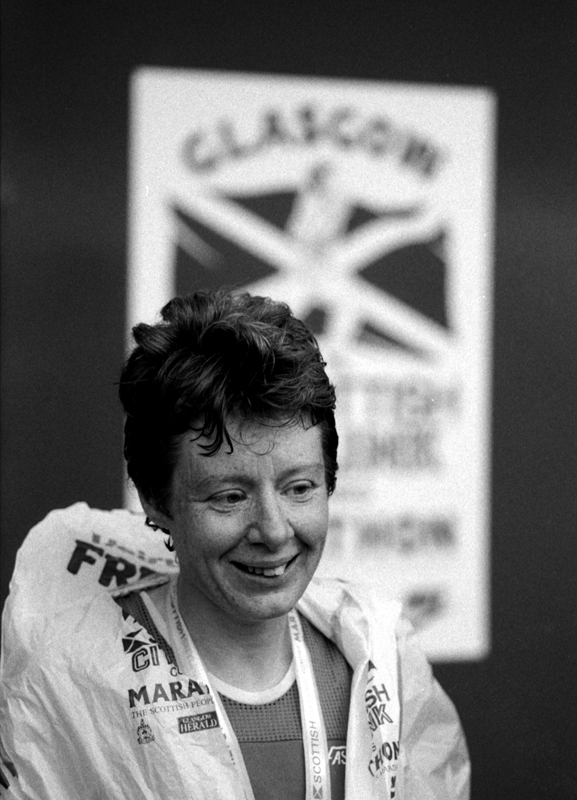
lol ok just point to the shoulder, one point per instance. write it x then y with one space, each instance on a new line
335 599
67 572
65 525
358 620
364 625
80 551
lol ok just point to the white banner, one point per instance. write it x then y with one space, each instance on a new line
368 208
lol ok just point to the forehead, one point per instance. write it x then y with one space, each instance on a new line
255 447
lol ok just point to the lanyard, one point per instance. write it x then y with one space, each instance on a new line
317 774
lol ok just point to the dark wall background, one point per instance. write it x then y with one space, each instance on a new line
65 82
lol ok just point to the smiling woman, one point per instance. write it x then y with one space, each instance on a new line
233 674
249 526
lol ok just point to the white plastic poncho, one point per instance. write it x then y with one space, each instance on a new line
90 705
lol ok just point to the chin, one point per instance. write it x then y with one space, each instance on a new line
262 611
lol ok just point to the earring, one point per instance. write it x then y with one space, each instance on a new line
150 524
168 543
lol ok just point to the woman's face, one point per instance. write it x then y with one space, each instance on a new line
249 526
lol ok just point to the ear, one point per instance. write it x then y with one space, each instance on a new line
157 517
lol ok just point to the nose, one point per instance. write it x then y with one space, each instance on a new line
269 523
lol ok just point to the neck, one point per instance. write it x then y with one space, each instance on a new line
252 656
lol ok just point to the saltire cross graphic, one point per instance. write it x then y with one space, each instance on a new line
366 279
130 643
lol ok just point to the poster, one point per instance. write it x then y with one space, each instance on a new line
367 207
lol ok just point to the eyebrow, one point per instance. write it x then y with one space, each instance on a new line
315 467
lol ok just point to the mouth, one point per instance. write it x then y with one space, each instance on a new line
265 572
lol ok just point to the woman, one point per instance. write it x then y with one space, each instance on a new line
234 673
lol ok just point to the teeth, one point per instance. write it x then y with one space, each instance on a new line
276 571
268 573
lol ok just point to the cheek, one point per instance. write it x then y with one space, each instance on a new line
190 533
201 535
314 525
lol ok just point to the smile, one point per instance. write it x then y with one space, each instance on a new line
266 572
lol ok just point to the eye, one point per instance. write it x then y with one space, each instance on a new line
225 501
300 490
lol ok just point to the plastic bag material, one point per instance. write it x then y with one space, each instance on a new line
395 691
92 707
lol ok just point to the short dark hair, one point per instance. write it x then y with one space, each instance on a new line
218 355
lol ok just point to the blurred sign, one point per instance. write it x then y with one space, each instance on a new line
368 208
